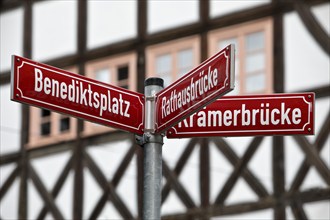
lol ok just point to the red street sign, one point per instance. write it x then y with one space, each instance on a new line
277 114
59 90
202 85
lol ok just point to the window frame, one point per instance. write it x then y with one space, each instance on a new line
36 139
111 63
240 32
172 48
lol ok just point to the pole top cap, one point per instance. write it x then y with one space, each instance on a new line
154 81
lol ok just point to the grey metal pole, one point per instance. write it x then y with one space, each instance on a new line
152 148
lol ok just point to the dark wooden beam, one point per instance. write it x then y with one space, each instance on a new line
204 172
313 157
238 169
78 178
9 158
313 26
253 181
320 92
177 186
141 37
47 197
9 181
78 150
305 166
278 166
57 187
179 166
298 211
115 181
312 195
108 189
278 176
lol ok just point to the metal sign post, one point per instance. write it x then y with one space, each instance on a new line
152 149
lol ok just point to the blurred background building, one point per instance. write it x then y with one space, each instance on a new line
53 166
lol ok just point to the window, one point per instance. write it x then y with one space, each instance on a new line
172 60
118 71
45 122
253 44
48 127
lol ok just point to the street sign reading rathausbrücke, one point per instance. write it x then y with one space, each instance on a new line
202 85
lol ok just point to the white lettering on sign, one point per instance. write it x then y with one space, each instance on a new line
197 88
75 92
244 117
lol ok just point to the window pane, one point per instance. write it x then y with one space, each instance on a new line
110 21
65 124
185 61
45 113
123 73
45 128
54 29
218 8
255 83
103 75
255 41
163 64
11 35
255 62
164 67
224 43
167 14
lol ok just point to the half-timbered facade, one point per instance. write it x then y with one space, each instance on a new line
57 167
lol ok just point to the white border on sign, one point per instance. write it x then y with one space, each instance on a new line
81 79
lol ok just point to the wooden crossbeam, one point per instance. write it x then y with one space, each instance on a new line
9 181
57 187
312 25
179 166
45 195
253 181
108 189
311 195
177 186
305 166
238 169
313 157
115 181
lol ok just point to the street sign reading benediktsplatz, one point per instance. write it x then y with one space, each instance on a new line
59 90
202 85
277 114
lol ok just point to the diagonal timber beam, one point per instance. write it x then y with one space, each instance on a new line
178 188
45 195
115 181
313 157
58 186
319 143
179 166
255 143
108 189
253 182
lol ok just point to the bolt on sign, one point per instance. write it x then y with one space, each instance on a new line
59 90
199 87
277 114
